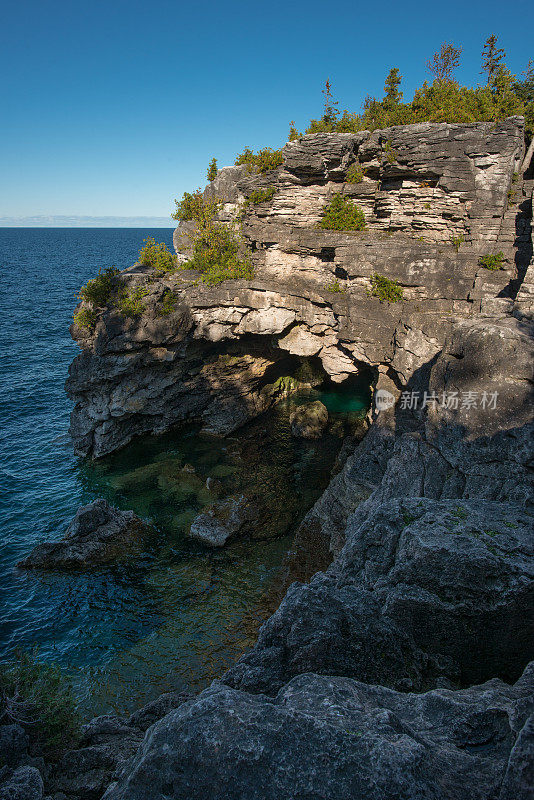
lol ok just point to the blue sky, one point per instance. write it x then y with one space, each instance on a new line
115 108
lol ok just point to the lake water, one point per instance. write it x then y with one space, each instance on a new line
179 615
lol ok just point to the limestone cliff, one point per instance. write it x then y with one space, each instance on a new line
435 198
401 670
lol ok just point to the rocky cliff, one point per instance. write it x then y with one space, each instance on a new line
401 670
435 197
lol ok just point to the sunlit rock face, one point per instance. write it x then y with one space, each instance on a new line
435 196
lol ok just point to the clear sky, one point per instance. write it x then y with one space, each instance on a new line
115 107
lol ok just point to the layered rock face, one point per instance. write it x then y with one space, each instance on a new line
427 191
401 670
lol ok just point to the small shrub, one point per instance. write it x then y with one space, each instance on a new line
157 256
391 155
342 214
294 134
355 173
38 698
260 196
386 290
492 261
194 206
86 318
262 161
98 291
238 269
335 286
168 303
212 170
457 241
131 303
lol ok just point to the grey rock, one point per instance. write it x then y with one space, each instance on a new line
25 783
518 783
309 420
324 737
146 716
99 533
14 744
422 590
223 520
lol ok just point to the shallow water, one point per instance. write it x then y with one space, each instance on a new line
178 614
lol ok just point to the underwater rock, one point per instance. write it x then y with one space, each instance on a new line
224 519
99 533
309 420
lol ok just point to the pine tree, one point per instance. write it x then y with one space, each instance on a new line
492 56
391 88
331 111
212 170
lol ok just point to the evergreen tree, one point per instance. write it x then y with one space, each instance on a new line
391 88
212 170
492 56
331 111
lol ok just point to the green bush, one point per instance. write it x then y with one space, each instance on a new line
457 241
386 290
335 286
157 256
260 196
342 214
355 173
86 318
167 304
492 261
262 161
194 206
131 303
37 697
98 291
212 170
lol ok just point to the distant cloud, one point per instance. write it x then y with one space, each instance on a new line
86 222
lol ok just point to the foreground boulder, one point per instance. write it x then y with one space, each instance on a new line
424 592
309 420
326 737
99 533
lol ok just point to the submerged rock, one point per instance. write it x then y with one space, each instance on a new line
331 737
309 420
222 520
99 533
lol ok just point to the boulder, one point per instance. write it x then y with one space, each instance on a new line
423 591
99 533
326 737
224 519
309 420
25 783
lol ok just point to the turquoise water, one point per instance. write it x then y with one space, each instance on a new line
179 614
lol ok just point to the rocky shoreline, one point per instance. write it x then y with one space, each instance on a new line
404 668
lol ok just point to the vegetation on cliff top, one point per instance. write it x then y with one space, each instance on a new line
262 161
218 251
444 100
37 697
158 256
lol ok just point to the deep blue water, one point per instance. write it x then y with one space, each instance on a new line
180 614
